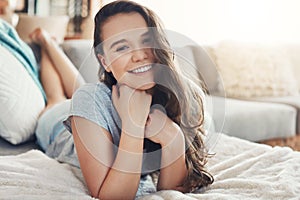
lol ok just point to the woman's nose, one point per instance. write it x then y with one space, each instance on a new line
139 55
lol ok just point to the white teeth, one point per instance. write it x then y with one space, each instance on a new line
142 69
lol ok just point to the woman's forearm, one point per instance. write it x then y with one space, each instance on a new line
124 176
173 168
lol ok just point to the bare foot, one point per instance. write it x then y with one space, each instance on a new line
40 36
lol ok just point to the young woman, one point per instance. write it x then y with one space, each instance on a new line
142 117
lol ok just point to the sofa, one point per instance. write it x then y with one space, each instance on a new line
252 117
261 84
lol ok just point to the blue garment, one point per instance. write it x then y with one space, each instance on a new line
93 102
10 39
52 136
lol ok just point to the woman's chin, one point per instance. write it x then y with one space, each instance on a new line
141 86
146 86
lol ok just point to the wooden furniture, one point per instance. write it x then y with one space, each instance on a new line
293 142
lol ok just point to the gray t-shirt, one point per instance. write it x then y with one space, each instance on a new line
93 102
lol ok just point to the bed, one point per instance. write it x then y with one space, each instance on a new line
242 170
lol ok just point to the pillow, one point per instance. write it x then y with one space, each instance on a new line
21 101
293 50
254 70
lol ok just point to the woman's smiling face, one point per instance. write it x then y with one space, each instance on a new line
127 50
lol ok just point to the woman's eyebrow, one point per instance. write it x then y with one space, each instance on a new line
124 40
117 42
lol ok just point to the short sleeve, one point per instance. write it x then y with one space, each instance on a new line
92 103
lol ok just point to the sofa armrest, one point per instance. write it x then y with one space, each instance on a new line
293 101
81 54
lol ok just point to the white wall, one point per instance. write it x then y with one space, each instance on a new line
209 21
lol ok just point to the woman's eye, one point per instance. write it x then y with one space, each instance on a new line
122 48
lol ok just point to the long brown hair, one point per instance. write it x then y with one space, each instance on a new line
188 113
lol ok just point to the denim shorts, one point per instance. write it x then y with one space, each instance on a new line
50 124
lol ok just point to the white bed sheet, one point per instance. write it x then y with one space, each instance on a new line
242 170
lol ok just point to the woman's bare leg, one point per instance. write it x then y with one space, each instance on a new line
51 81
69 75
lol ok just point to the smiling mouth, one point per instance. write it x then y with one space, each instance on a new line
141 69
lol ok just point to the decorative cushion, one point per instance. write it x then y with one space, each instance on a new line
254 70
21 101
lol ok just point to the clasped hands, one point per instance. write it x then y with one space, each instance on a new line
140 119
